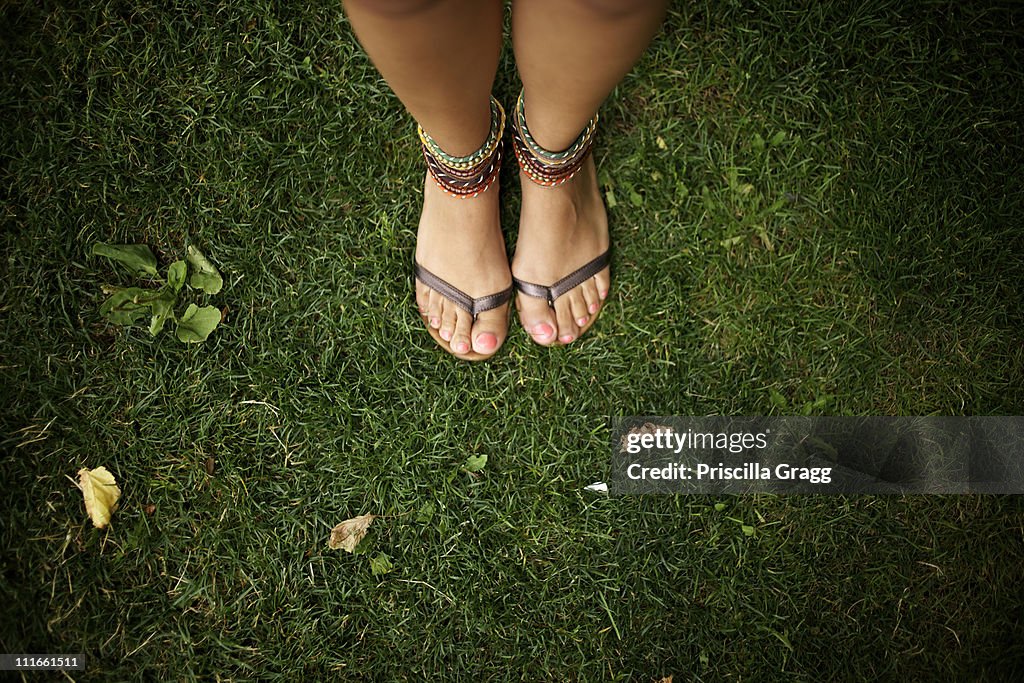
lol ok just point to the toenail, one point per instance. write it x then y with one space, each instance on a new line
593 307
566 338
543 330
604 294
446 335
461 347
486 341
435 322
581 322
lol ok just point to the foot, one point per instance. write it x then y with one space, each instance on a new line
561 229
460 241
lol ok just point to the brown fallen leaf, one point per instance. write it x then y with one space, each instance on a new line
347 535
101 493
667 679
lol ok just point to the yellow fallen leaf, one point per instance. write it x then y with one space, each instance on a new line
101 494
347 535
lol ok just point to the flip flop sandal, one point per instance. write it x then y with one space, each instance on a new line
550 169
566 284
464 177
464 301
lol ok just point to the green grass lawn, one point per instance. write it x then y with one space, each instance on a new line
818 201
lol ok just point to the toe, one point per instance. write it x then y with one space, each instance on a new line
591 296
422 298
435 304
448 317
489 330
538 319
578 306
568 331
603 281
460 343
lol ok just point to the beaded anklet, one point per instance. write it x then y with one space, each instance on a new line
466 176
543 166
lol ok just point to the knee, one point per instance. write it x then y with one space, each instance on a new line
616 9
394 9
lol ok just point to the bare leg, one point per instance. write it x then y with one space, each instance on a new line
570 55
440 58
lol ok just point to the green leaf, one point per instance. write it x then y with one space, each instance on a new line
205 276
758 142
777 399
125 306
822 401
163 308
778 138
138 257
782 638
197 323
719 506
709 202
426 512
747 529
176 274
475 463
380 564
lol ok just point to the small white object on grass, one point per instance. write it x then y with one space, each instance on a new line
598 486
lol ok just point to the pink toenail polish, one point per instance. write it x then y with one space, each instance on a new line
461 347
593 307
486 341
542 330
434 322
446 335
604 294
565 339
581 322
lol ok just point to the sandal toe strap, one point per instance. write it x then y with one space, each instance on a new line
573 279
464 301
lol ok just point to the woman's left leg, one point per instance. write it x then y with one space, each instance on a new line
570 54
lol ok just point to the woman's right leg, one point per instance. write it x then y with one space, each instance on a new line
440 58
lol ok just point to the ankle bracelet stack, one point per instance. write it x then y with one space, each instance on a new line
467 176
543 166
